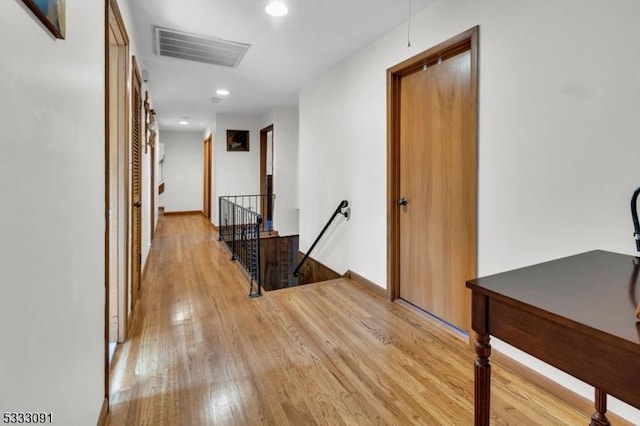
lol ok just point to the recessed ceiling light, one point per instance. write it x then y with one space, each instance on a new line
183 122
276 8
222 92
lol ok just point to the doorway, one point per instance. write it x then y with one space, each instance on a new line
266 177
116 182
136 183
432 192
206 208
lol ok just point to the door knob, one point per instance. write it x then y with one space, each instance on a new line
403 201
137 204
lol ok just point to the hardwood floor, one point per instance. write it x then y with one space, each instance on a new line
332 353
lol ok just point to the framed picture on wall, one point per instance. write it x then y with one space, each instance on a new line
51 13
237 140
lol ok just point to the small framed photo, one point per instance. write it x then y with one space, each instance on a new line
237 140
51 13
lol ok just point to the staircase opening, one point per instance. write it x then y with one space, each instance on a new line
272 262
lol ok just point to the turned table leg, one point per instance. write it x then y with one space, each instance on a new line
482 381
599 418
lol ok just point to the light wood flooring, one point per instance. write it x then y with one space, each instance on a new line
333 353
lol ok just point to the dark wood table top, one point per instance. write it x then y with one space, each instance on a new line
596 289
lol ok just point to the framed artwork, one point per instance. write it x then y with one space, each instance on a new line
51 13
237 140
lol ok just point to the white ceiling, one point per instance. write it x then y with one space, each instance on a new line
285 53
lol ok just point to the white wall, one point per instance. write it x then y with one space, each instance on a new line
183 171
285 163
343 157
235 173
52 214
558 135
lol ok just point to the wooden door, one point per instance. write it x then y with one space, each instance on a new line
266 175
436 188
136 187
206 208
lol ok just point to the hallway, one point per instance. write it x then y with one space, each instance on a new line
202 353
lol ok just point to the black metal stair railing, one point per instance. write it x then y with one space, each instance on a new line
341 209
239 228
261 203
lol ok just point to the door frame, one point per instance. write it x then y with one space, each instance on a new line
121 37
206 202
467 40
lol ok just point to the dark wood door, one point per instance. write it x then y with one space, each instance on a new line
437 186
136 173
266 175
206 208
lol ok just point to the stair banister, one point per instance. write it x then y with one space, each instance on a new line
339 210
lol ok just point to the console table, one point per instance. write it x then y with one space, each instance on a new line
576 314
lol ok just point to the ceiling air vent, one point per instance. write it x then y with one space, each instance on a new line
193 47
